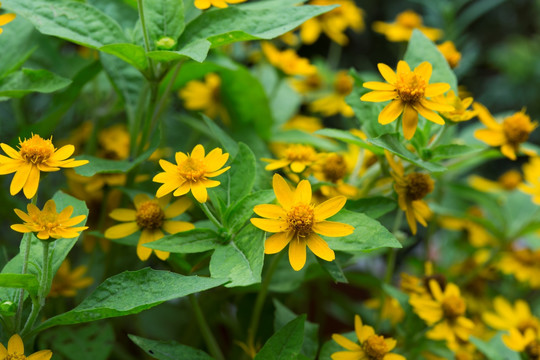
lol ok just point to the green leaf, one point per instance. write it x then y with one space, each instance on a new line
130 53
302 137
494 349
286 343
333 269
197 50
129 293
187 242
422 49
284 101
348 137
74 21
229 145
374 207
236 216
369 234
169 350
164 18
28 282
331 346
240 178
26 81
452 151
13 55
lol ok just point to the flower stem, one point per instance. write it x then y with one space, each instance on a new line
210 216
209 338
145 35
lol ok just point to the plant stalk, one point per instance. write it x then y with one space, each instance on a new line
209 338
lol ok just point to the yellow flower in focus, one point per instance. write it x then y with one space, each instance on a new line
151 217
205 4
295 157
402 28
287 60
371 347
192 173
508 181
513 131
5 19
461 110
450 53
307 84
531 172
333 168
506 316
206 97
335 103
411 190
528 342
309 124
297 222
333 23
523 264
67 282
408 91
47 223
34 155
15 351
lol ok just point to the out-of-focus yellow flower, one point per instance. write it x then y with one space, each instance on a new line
528 342
35 155
391 309
205 96
5 19
412 285
15 351
67 282
48 223
506 316
477 235
402 28
509 134
335 103
461 110
297 222
295 157
114 142
523 264
309 124
408 91
333 23
371 346
531 171
288 60
450 53
151 217
508 181
333 168
205 4
307 84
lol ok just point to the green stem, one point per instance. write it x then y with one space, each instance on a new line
210 216
334 55
209 338
166 93
145 35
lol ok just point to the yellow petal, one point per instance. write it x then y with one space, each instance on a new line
181 190
387 73
329 208
11 152
20 178
391 112
485 116
302 194
63 153
41 355
123 214
167 166
378 96
365 332
346 343
15 345
199 191
178 207
6 18
270 211
270 225
277 242
319 247
173 227
349 355
3 351
143 252
424 70
332 228
297 254
198 152
436 89
283 192
432 105
509 151
430 115
490 137
409 122
121 230
20 228
403 67
377 85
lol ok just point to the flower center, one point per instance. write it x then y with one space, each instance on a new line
528 324
517 128
418 186
192 169
334 168
410 87
313 81
300 153
300 219
375 347
15 356
36 149
409 19
149 215
510 179
533 350
344 84
453 307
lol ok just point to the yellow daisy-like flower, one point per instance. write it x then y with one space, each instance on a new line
309 124
114 142
508 181
408 91
5 19
506 316
477 235
307 84
205 4
34 155
151 217
335 103
411 190
333 23
297 222
528 342
513 131
288 60
67 282
296 158
523 264
47 223
445 310
391 308
371 346
450 53
15 351
531 172
191 173
461 110
333 168
402 28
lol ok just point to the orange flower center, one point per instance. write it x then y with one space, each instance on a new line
300 153
36 149
409 19
517 128
15 356
410 87
510 179
301 219
418 186
192 169
334 168
344 84
313 81
149 215
375 347
453 307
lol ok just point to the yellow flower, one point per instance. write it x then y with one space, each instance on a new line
34 155
477 235
309 124
402 28
288 60
333 168
450 53
15 351
528 342
444 309
408 91
411 190
507 316
335 103
531 171
460 112
372 346
307 84
205 96
524 264
513 131
296 158
298 222
5 19
114 142
48 223
412 285
191 173
333 23
391 309
67 282
508 181
151 217
205 4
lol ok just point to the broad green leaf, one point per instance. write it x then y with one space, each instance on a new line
286 343
28 282
285 280
368 235
120 11
284 101
130 53
186 242
494 349
13 55
453 151
236 216
164 18
239 179
169 350
131 292
26 81
333 269
197 50
374 207
70 20
229 145
348 137
519 211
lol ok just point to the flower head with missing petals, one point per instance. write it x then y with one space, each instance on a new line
297 222
15 351
192 173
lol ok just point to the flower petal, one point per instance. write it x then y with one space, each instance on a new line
269 211
178 207
277 242
15 345
198 152
283 192
143 252
123 214
429 114
303 193
329 208
377 85
490 137
121 230
387 73
41 355
332 228
436 89
173 227
63 153
319 247
346 343
409 122
391 112
11 152
403 67
378 96
199 191
270 225
424 70
297 254
20 178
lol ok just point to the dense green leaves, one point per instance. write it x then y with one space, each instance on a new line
311 337
197 50
26 81
237 215
164 18
169 350
130 53
28 282
286 343
192 241
13 55
374 207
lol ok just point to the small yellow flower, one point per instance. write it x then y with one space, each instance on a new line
408 91
450 53
513 131
523 264
295 157
309 124
528 342
333 168
335 103
34 155
307 84
506 316
151 217
477 235
461 110
297 222
48 223
114 142
205 4
531 171
402 28
5 19
371 347
288 60
191 173
508 181
15 351
67 282
391 309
